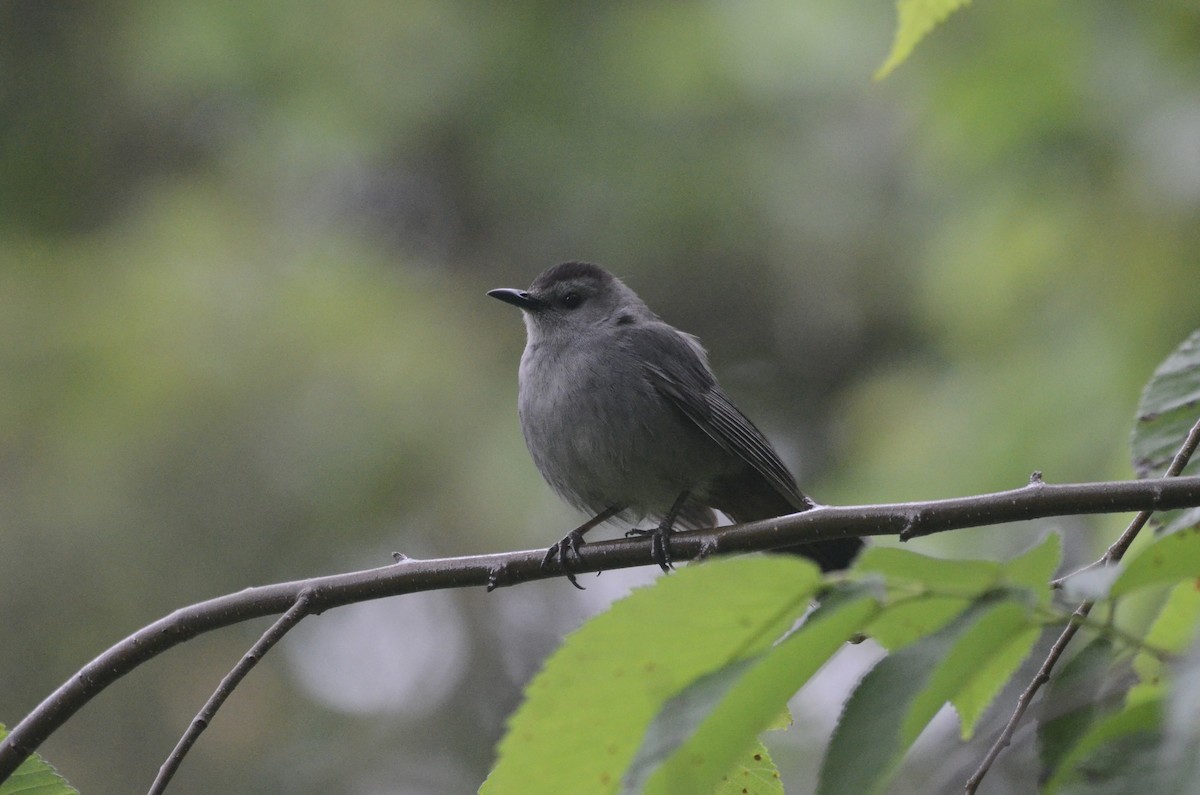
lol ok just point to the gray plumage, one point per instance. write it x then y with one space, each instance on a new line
623 416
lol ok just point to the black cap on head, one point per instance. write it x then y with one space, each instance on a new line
571 271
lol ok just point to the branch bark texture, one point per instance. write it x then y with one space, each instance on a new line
907 520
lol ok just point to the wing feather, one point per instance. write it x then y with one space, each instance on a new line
677 366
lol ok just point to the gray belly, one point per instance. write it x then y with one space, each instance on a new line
602 441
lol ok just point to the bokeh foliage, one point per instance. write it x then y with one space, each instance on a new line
243 251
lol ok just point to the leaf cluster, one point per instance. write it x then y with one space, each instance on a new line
670 690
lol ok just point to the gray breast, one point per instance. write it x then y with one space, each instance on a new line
601 434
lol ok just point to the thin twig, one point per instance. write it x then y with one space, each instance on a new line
1026 697
409 575
1111 556
1119 547
301 608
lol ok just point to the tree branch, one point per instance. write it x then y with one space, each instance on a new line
908 520
301 608
1026 697
1111 556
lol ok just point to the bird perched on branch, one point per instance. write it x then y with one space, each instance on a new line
624 418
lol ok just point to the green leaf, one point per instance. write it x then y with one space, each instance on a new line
1173 630
976 668
898 697
587 710
1033 568
1179 762
35 776
1149 746
912 619
1169 407
756 774
681 715
1073 699
929 592
901 568
1129 735
1169 559
916 19
701 732
1127 763
981 685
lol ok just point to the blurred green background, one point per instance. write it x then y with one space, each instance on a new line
243 255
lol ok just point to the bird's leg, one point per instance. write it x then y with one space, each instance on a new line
561 551
660 537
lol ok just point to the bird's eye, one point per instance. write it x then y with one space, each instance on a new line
572 300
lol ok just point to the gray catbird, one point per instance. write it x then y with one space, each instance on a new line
624 418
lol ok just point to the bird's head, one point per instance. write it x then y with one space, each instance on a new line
575 298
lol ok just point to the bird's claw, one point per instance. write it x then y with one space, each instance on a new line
660 544
560 553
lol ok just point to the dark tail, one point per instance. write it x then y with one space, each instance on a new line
831 555
753 498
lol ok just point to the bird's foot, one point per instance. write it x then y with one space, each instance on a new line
660 544
496 576
561 552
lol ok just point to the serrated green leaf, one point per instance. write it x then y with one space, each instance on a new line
896 699
911 619
901 567
1149 746
1169 407
1033 568
1086 761
755 774
944 588
1174 628
678 720
1173 631
916 19
1169 559
589 707
782 721
699 734
995 636
1074 700
983 684
35 776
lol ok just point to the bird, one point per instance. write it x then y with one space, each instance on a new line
624 419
